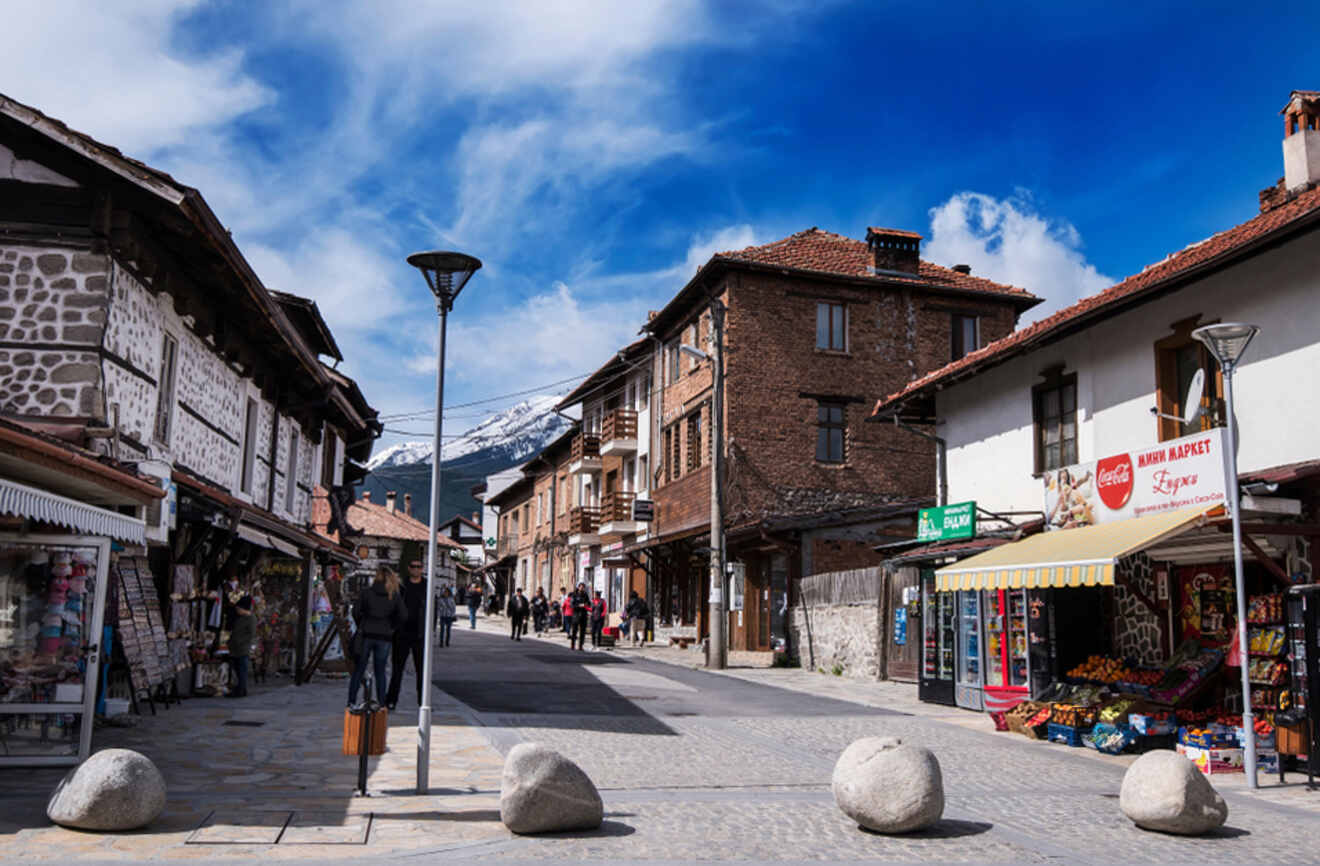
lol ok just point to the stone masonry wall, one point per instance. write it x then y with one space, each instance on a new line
847 635
1137 632
52 305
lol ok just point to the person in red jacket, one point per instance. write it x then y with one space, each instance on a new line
566 609
599 612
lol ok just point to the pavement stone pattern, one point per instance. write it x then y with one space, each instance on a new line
693 767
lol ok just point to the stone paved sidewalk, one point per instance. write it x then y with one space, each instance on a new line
253 765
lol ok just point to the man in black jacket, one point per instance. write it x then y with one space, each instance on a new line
410 638
518 610
581 606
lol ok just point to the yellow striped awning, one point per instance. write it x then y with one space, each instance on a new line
1066 557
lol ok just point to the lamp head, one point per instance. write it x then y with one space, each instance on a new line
445 273
1227 341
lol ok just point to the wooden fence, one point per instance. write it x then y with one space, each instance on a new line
855 586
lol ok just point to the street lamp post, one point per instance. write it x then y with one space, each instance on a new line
445 274
1227 341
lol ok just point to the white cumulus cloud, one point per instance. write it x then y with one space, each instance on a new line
1008 240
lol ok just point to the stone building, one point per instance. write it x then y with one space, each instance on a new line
132 325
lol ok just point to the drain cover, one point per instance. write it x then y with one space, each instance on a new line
240 828
327 828
233 724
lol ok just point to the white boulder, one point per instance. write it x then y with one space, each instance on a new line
544 792
114 789
889 787
1164 791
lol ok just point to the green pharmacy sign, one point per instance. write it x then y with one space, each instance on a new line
947 522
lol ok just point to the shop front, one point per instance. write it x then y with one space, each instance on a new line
53 593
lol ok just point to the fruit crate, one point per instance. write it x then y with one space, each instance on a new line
1065 734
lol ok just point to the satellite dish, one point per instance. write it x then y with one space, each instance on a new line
1192 403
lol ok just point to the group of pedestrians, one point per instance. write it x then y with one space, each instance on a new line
391 621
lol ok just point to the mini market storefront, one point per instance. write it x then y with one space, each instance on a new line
1127 601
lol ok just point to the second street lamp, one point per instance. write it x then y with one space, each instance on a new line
1227 341
446 274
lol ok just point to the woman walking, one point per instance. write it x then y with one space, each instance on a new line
378 613
447 612
598 615
540 610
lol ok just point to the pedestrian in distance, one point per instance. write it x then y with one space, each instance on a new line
518 611
446 611
473 602
637 611
555 620
411 636
598 614
579 603
540 611
566 611
240 645
379 613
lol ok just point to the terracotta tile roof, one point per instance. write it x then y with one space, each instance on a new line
830 253
873 230
377 520
1208 252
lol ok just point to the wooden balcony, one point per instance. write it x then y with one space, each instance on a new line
507 545
584 453
617 506
619 427
584 524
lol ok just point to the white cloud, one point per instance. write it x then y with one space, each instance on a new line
110 70
1009 241
727 239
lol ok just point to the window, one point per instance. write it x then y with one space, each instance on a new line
539 512
332 458
830 429
1177 358
291 472
692 335
564 493
249 446
694 443
169 354
630 475
1055 413
643 479
966 336
674 357
832 326
526 516
673 453
383 552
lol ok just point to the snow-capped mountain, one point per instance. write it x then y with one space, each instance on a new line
516 433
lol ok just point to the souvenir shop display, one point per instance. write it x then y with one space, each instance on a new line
52 591
140 630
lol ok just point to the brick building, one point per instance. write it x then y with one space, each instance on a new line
817 326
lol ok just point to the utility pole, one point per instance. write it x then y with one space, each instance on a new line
717 651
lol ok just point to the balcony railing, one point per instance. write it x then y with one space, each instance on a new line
583 521
507 545
619 424
585 445
616 505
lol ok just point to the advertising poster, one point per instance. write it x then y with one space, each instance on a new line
1207 605
1176 474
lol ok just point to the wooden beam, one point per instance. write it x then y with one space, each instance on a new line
1264 559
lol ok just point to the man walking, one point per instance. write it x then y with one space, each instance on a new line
446 612
240 645
580 604
473 602
636 611
598 615
518 609
409 639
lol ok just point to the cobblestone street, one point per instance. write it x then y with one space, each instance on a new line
693 766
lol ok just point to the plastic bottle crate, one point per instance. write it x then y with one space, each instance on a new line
1056 733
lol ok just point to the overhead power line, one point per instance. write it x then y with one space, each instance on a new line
422 413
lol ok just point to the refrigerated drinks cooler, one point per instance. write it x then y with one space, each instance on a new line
1004 635
938 643
967 688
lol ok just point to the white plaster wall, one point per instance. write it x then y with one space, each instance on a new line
987 420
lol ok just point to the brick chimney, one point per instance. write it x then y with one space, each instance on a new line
1301 149
390 497
407 504
894 251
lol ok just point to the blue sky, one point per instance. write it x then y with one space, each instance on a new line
594 154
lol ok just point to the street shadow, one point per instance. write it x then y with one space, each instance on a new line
464 816
946 828
607 829
1227 832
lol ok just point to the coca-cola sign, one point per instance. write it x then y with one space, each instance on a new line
1113 480
1175 474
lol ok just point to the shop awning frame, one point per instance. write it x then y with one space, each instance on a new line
1068 557
31 503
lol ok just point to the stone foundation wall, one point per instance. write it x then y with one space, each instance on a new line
1137 632
847 635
